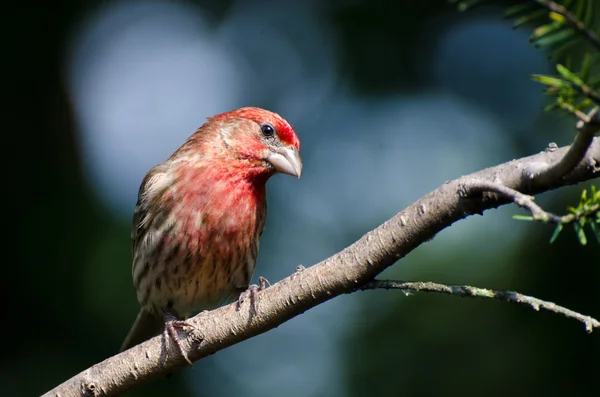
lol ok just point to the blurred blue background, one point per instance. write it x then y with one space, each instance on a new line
390 99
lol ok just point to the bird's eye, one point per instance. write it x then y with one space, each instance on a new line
267 130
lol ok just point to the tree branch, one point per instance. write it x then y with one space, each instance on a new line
467 291
339 274
581 143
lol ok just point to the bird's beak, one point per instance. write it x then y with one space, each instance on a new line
286 160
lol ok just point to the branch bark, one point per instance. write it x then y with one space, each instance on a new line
342 273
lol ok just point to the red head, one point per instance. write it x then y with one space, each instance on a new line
283 130
252 140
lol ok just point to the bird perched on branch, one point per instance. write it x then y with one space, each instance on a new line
200 215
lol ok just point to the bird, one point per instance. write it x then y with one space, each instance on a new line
199 218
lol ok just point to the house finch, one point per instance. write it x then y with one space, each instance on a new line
200 215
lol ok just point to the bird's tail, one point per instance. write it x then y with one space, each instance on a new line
145 327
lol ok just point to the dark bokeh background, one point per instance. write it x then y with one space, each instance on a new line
390 99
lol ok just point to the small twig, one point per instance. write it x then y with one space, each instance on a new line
592 210
584 119
469 291
525 201
588 127
571 19
589 124
522 200
587 92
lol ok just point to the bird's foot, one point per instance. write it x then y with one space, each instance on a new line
251 292
172 322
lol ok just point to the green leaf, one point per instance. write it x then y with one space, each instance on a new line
586 66
544 30
594 82
580 233
468 4
562 48
518 9
584 104
557 17
557 231
588 14
523 217
528 18
555 38
568 63
596 230
548 80
568 75
579 11
595 193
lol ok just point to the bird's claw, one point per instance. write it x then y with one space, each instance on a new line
169 333
251 292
